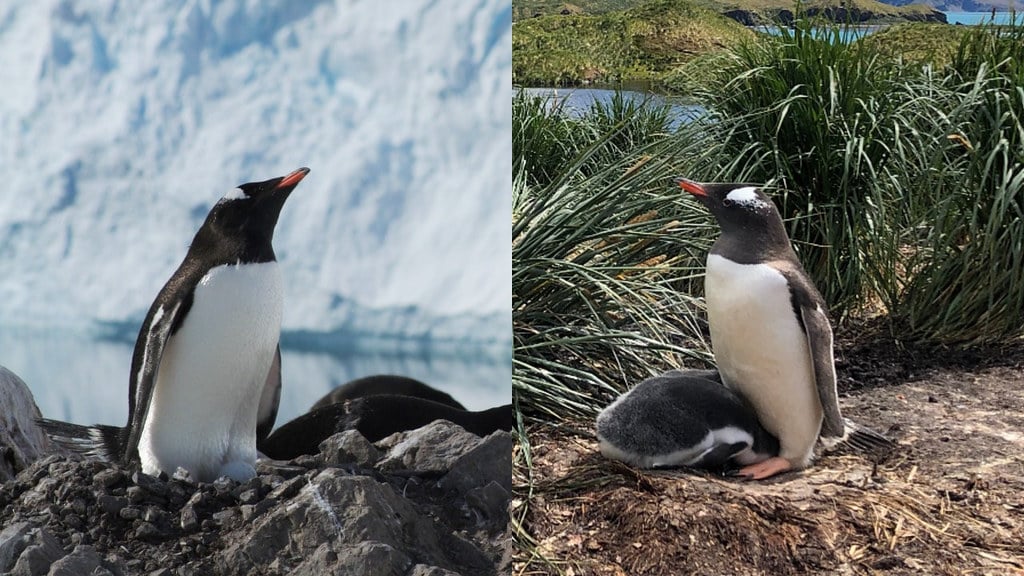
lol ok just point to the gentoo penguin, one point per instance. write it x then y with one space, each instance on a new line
683 418
770 330
386 384
376 417
206 373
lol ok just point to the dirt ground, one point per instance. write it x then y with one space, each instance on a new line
949 501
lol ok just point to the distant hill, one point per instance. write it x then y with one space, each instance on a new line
640 43
967 5
749 12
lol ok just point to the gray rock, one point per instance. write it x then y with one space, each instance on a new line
365 523
349 447
224 518
21 440
424 570
111 505
109 478
490 502
489 461
250 496
432 448
288 488
129 513
362 559
189 521
39 555
13 541
148 531
83 560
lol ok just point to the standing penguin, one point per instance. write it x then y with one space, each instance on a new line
205 380
770 330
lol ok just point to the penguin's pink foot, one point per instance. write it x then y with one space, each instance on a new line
765 469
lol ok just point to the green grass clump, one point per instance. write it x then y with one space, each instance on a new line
968 278
918 43
604 261
546 138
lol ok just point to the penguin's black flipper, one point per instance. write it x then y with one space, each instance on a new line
99 441
270 400
158 327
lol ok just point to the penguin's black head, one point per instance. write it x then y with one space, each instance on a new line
735 206
243 220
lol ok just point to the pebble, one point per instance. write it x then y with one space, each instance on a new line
223 486
224 517
151 484
189 521
153 514
111 505
147 531
135 494
129 513
250 496
108 478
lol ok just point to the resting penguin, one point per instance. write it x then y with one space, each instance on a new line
386 384
770 330
376 417
683 418
205 379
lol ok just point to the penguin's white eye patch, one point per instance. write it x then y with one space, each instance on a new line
746 196
235 194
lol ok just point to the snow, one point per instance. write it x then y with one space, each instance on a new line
123 123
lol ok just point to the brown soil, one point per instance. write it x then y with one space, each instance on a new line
949 501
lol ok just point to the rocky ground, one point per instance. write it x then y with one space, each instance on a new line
949 501
429 502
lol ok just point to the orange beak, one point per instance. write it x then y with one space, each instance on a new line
690 186
293 178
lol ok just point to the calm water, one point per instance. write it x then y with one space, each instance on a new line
577 101
79 378
975 18
847 34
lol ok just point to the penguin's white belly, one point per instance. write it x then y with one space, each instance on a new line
762 351
202 414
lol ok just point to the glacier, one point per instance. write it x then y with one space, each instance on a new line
122 123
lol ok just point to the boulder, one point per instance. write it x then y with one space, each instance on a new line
21 439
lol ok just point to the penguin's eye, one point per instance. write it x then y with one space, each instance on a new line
727 202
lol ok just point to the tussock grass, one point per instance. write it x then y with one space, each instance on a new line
605 259
902 186
968 280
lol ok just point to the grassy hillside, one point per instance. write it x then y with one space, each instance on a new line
531 8
641 43
879 11
918 42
